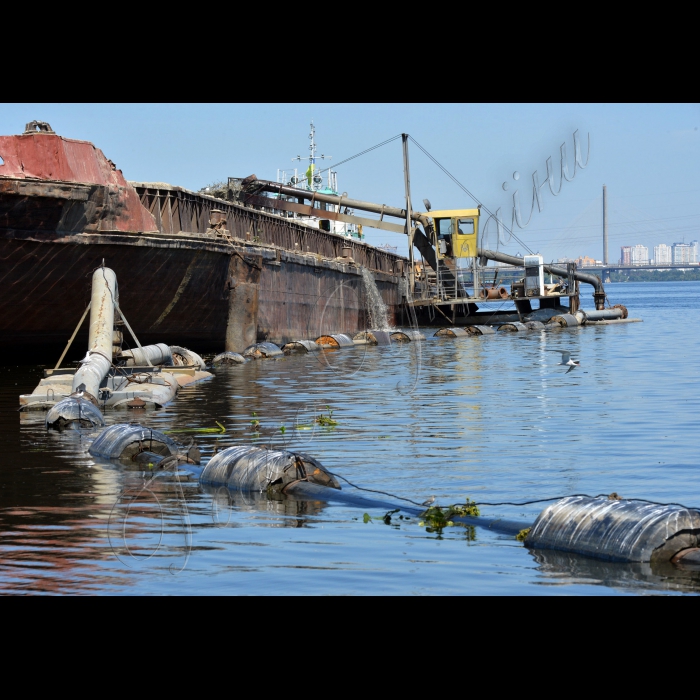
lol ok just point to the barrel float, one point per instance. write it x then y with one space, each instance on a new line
124 440
182 357
479 330
565 320
406 336
262 350
372 338
338 340
451 333
297 347
513 327
616 530
252 468
74 412
228 358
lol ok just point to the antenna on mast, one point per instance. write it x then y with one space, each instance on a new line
313 181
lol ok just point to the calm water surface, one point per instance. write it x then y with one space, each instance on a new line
490 418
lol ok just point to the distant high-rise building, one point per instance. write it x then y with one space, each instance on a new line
685 253
663 255
639 255
626 255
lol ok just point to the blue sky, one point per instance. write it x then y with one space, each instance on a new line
648 155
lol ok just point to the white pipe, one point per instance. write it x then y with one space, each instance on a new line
158 354
99 356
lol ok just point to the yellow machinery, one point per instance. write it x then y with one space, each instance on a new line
456 232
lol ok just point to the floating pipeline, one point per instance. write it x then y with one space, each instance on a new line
296 347
603 528
378 337
324 342
581 318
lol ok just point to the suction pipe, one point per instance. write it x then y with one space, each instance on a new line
586 277
99 355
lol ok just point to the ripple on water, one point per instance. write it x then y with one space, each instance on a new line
493 418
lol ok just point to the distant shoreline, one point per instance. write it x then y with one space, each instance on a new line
661 276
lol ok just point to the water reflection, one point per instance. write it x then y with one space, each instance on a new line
566 569
275 510
491 418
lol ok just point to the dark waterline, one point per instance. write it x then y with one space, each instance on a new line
493 419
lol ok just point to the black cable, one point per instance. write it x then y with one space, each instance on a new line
509 503
384 493
361 153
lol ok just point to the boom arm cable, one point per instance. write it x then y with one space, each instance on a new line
461 186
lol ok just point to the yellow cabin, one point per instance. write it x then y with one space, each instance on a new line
456 231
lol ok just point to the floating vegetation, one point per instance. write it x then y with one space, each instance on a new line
469 508
220 429
523 534
386 518
436 518
326 420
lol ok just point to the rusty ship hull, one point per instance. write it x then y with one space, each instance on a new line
192 269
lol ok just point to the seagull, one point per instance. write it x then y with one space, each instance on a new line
429 501
566 360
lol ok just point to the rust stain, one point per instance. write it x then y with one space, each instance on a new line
185 279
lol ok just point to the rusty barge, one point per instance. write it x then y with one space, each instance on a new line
195 269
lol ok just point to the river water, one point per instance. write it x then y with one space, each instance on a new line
493 419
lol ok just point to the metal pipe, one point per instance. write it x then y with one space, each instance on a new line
99 356
553 269
604 315
158 354
269 186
